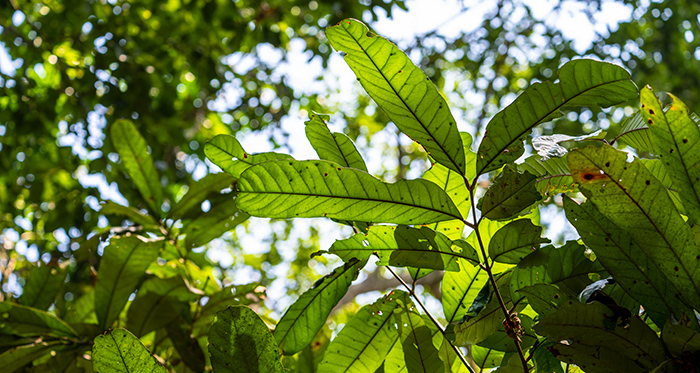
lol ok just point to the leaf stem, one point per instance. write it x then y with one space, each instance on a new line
437 323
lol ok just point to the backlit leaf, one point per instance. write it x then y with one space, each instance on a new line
42 286
553 175
581 83
416 339
198 192
23 321
226 152
14 359
336 147
220 219
511 193
635 133
515 241
113 208
402 90
305 189
119 351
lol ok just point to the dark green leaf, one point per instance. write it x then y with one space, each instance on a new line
511 193
402 246
581 83
112 208
226 152
680 339
553 175
157 304
17 358
364 341
402 90
635 133
634 200
486 358
220 219
675 135
230 295
308 314
416 339
335 147
23 321
239 341
42 286
289 189
137 162
515 241
625 261
198 192
546 362
124 261
118 351
186 345
599 342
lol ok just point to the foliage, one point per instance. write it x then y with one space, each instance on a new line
506 301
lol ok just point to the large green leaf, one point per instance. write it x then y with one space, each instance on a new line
226 152
131 213
657 168
124 261
18 357
680 339
119 351
515 241
581 83
137 162
23 321
635 133
336 147
553 175
239 341
598 341
404 246
566 266
157 303
545 298
364 341
402 90
305 189
42 286
459 289
220 219
675 135
416 340
308 314
511 193
231 295
198 192
626 262
635 201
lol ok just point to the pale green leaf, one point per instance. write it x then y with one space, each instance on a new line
402 90
459 289
486 358
239 341
137 162
364 341
198 192
395 361
514 241
674 135
119 351
599 342
226 152
289 189
634 200
403 246
416 339
581 83
42 286
635 133
511 193
123 263
308 314
335 147
553 176
625 261
23 321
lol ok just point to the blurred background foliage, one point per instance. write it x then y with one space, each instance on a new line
187 70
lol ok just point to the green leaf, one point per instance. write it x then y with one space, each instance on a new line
626 262
675 135
486 358
297 328
365 340
416 340
42 286
404 246
566 266
137 162
545 298
656 167
186 345
226 152
123 263
23 321
511 193
220 219
546 362
402 90
635 133
515 241
83 309
305 189
553 175
548 146
335 147
119 351
230 295
158 302
239 341
199 191
581 83
112 208
679 339
459 289
395 361
18 357
599 342
634 200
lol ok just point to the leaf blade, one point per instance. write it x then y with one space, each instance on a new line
332 146
119 351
